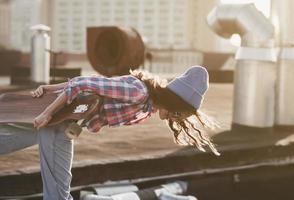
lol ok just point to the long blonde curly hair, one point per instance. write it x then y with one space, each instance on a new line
185 130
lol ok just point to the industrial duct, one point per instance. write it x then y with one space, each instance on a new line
245 20
285 94
282 15
255 73
114 50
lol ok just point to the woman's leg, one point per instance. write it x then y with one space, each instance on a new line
13 138
56 153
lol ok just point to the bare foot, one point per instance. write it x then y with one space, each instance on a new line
41 120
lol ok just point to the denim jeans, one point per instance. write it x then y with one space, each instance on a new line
55 150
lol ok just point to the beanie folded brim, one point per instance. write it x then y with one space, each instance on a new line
186 93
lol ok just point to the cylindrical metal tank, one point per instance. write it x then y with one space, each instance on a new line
114 50
255 73
285 92
282 15
254 87
40 61
243 19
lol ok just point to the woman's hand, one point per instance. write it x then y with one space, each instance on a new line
39 91
42 120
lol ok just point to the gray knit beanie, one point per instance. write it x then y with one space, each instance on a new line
191 85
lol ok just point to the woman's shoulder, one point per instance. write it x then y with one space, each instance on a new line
136 83
128 78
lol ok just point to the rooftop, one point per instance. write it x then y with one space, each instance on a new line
147 150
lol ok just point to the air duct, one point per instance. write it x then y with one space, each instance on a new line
243 19
285 94
254 80
114 50
282 16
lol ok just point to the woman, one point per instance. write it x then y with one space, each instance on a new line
127 100
131 99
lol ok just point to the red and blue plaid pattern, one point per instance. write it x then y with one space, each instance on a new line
124 99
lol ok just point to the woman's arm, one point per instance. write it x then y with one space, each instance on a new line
43 119
54 87
44 88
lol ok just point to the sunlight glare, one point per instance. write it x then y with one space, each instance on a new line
235 40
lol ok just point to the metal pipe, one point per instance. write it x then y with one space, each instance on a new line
281 16
40 66
243 19
254 81
285 93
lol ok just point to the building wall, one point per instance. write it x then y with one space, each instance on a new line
175 24
203 37
24 14
162 23
5 23
172 61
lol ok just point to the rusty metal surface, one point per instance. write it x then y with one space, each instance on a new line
21 107
8 59
114 50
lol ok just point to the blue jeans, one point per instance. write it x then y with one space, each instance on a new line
56 153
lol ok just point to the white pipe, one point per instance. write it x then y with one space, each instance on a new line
40 57
285 93
282 15
255 73
243 19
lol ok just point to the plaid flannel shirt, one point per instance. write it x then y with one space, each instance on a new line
125 99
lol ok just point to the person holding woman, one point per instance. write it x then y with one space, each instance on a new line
130 99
